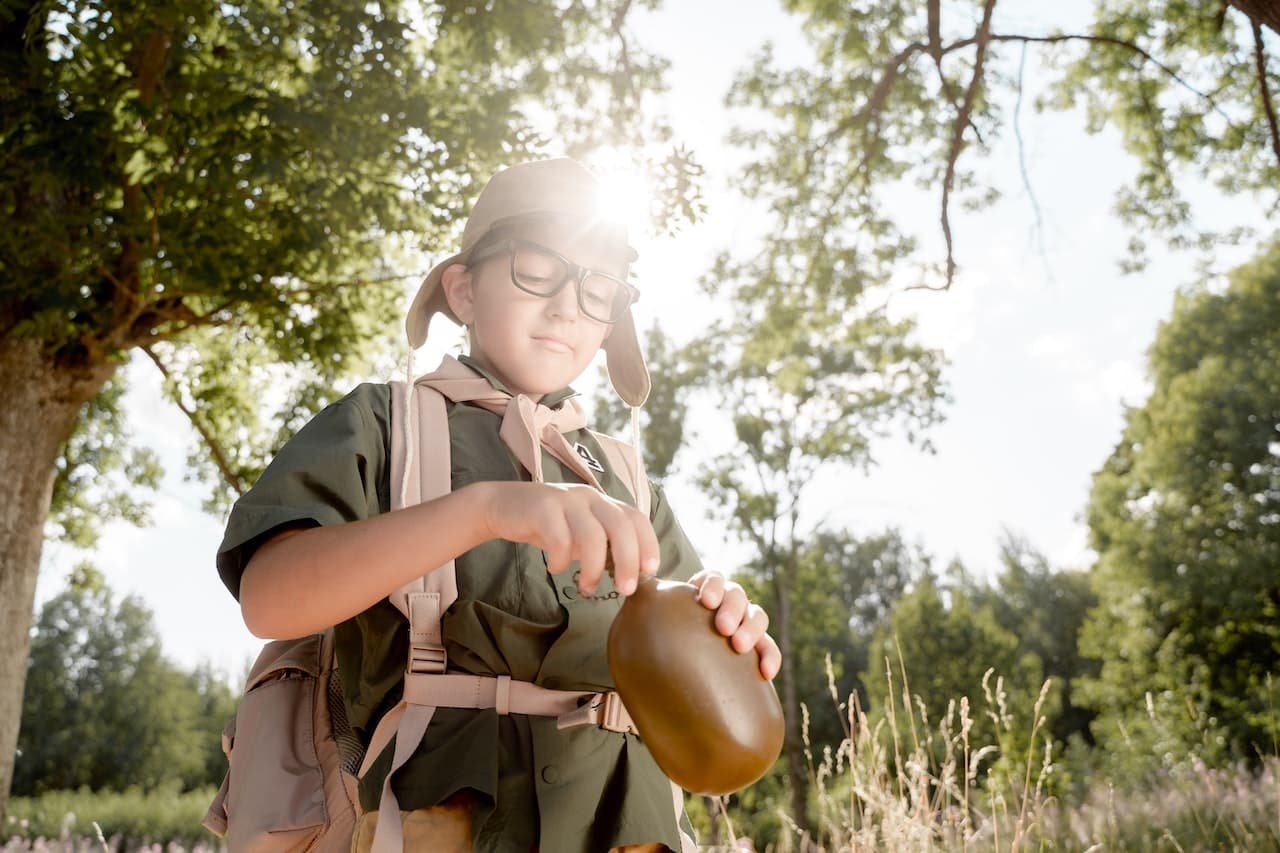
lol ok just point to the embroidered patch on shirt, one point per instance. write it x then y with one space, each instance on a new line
592 463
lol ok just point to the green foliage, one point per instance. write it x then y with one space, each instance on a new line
1044 608
104 710
950 648
846 588
236 189
807 361
99 472
128 820
901 96
1180 81
1184 518
907 781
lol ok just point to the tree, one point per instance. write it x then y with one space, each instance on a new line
215 702
903 94
846 587
1044 608
103 708
941 646
898 95
1185 517
812 370
225 189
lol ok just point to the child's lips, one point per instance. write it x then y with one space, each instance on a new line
553 343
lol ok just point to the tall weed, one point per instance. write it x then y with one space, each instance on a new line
902 782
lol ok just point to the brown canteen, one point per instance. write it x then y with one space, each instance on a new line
712 723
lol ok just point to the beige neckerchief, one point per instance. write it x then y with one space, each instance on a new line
527 426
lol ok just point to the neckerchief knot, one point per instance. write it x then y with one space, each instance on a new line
527 426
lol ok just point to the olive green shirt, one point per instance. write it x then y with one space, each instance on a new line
581 788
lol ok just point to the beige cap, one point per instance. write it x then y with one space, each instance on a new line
559 189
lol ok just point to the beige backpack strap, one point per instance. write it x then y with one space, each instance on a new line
625 461
420 471
687 843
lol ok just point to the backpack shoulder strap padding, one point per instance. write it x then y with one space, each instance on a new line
624 461
419 472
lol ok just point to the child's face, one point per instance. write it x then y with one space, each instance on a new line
534 344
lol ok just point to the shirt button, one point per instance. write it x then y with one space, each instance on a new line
550 774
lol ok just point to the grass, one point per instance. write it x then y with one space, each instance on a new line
900 782
897 782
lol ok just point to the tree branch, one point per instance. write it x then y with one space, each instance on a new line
1260 63
891 69
1115 42
1259 12
219 457
1022 160
624 52
957 136
935 31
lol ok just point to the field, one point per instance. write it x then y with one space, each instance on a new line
895 784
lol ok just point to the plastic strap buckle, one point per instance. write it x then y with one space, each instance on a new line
600 709
427 659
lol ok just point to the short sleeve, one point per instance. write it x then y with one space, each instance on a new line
679 560
331 472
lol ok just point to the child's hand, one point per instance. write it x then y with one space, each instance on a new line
738 619
575 522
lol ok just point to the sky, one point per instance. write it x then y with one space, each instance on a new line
1045 341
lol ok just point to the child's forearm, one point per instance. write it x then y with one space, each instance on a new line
304 581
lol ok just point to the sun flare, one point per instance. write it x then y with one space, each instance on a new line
626 193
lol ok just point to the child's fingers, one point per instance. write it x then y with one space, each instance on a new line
649 554
624 547
754 624
732 611
590 546
634 546
770 657
557 543
710 587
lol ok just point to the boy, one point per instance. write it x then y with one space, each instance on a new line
540 285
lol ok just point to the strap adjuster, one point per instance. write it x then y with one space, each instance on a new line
600 709
427 659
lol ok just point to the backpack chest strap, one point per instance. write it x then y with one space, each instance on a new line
425 691
505 695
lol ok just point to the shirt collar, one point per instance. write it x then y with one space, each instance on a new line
551 401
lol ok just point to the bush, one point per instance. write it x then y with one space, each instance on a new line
125 821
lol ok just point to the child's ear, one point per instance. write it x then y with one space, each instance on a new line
456 283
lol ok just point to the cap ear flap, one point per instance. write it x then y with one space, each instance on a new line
457 284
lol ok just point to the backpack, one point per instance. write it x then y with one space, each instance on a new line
294 761
291 784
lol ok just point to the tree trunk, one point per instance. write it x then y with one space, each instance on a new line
1265 12
40 403
797 767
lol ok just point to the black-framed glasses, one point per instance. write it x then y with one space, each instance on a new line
543 272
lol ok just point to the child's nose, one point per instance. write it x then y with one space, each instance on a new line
564 303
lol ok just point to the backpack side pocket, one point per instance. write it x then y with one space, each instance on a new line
275 791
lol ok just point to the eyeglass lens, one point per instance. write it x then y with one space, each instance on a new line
600 296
